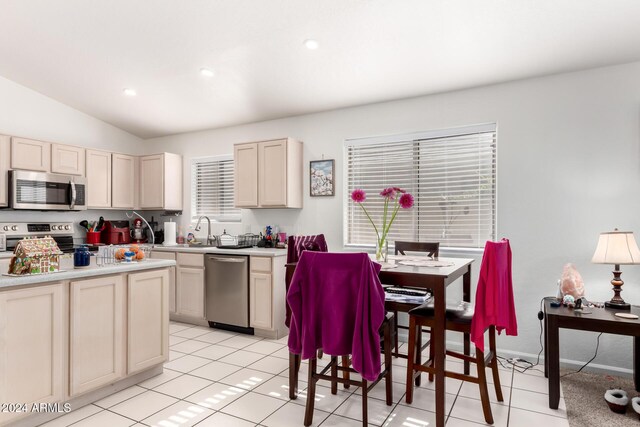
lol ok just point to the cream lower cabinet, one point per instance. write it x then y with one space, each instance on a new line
190 292
267 296
147 319
32 346
190 285
5 153
260 303
172 277
96 333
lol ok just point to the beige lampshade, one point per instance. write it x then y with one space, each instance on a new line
617 247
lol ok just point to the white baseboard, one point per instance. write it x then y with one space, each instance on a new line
564 363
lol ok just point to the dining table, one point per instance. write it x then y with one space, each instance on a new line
436 275
427 273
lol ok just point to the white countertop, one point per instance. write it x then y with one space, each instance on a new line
270 252
6 255
9 281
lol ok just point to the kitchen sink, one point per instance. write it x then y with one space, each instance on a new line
201 246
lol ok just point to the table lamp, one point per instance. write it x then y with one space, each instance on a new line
617 248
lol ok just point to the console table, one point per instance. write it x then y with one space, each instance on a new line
600 320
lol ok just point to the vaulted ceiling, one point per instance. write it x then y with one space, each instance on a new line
85 52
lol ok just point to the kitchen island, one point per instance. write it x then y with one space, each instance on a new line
73 337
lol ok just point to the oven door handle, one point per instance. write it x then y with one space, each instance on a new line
73 194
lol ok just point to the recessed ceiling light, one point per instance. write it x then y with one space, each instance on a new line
129 92
206 72
311 44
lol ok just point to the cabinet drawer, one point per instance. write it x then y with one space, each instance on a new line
261 264
163 255
190 260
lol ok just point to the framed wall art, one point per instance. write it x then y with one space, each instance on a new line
322 178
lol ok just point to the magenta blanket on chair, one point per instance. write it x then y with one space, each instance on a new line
337 304
494 294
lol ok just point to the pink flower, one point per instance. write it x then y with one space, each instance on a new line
406 201
388 193
399 190
358 195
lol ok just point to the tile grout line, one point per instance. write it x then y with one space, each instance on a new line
446 420
282 402
510 394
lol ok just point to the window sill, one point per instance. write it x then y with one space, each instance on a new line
443 249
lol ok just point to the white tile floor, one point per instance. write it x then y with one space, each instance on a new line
217 378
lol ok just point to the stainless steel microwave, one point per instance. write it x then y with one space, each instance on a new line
46 191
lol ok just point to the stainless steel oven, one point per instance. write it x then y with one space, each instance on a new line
61 232
46 191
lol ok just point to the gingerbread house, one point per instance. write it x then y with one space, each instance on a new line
35 256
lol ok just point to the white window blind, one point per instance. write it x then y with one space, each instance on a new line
212 189
451 174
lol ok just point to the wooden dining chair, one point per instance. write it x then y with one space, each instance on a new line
432 249
353 326
460 318
295 246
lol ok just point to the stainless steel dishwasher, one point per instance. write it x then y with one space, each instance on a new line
227 292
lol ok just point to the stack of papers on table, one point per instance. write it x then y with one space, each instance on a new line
419 261
406 297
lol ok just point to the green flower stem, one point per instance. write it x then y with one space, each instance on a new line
370 220
385 232
384 215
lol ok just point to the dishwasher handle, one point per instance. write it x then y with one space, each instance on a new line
234 260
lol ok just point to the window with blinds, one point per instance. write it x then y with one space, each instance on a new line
451 174
212 189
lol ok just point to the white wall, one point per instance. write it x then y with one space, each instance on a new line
27 113
568 168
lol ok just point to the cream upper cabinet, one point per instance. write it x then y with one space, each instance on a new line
5 153
161 181
246 175
96 333
67 159
30 154
268 174
123 181
273 177
148 319
32 346
98 179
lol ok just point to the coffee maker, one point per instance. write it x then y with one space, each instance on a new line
138 233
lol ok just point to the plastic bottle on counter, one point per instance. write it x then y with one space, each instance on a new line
181 239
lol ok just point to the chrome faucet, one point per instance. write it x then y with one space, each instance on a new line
209 237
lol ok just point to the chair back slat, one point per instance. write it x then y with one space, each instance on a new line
431 248
295 246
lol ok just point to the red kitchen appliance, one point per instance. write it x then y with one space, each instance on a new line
116 232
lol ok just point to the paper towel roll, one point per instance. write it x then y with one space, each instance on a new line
169 234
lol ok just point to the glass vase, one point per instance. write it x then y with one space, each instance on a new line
382 250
